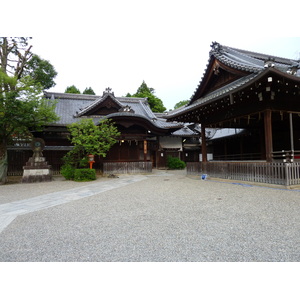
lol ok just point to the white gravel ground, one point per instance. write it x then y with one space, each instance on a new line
167 217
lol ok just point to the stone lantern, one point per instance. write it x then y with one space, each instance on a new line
37 168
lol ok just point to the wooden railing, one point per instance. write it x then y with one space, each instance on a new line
238 156
127 167
274 173
286 155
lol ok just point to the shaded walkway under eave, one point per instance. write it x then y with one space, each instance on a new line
261 104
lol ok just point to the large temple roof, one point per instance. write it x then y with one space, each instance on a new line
72 107
229 70
250 61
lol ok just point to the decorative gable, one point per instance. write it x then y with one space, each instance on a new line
103 106
218 75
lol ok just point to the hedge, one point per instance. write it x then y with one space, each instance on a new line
84 174
175 163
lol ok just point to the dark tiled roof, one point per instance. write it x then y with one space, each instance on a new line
70 107
185 131
235 59
250 61
70 96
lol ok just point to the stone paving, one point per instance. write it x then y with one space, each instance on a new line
165 216
9 211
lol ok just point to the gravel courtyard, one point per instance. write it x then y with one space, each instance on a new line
163 217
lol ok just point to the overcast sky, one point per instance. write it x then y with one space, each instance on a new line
119 44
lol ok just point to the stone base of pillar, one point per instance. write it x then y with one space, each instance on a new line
36 170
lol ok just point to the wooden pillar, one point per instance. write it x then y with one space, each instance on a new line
291 136
268 134
203 139
291 131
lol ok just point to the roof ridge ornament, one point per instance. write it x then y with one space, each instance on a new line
293 69
126 108
270 62
108 90
216 46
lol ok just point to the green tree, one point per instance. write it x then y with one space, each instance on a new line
72 90
41 71
89 91
89 138
181 103
155 103
22 106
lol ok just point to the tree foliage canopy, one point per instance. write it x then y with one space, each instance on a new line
17 60
89 91
22 108
93 139
72 90
144 91
181 103
23 76
41 71
89 138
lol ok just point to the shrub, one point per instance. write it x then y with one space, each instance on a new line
67 171
84 174
175 163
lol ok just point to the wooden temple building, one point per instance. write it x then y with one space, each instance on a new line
146 139
258 96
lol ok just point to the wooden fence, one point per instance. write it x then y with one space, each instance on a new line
127 167
17 158
274 173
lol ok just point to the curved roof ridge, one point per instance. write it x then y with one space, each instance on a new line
131 99
157 124
148 110
247 59
259 55
235 59
254 60
70 96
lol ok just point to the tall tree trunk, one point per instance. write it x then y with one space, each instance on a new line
3 163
